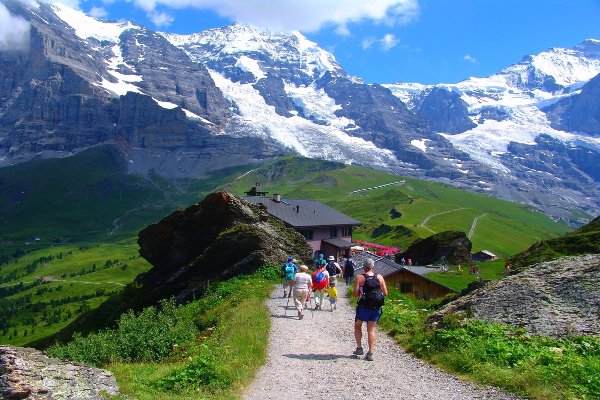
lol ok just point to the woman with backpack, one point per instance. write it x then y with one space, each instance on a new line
370 289
320 282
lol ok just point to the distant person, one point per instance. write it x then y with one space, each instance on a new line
402 261
507 267
409 262
474 269
302 287
333 268
370 289
319 261
320 282
288 272
459 269
332 292
349 270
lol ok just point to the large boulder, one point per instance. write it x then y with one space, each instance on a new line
26 373
454 246
220 237
556 298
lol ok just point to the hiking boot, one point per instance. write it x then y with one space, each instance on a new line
369 356
359 351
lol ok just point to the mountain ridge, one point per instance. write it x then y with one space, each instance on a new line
183 105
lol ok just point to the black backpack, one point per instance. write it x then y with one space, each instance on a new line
372 294
332 269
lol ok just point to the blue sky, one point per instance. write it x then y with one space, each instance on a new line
385 41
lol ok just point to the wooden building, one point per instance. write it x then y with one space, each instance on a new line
484 255
326 230
410 280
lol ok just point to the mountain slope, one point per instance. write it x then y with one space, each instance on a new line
186 105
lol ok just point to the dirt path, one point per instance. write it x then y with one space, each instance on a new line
312 359
426 220
474 225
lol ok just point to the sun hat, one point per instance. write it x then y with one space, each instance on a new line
331 258
303 267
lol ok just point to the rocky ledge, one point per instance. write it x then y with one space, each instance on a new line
29 374
556 298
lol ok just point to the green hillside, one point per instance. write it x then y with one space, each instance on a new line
87 208
502 227
584 240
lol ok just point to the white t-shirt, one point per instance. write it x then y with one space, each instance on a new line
302 280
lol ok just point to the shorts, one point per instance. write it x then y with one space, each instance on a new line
367 314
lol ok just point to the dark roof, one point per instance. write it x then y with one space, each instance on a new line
386 267
339 243
301 213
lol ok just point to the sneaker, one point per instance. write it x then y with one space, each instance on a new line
300 316
369 356
359 351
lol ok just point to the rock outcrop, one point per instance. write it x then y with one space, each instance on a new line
556 298
454 246
29 374
220 237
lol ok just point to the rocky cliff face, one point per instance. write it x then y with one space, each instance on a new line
580 112
29 374
556 298
454 246
220 237
446 112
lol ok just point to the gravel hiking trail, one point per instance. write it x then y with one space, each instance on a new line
312 359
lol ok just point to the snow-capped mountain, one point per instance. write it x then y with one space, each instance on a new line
187 104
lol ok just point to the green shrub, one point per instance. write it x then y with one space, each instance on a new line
147 336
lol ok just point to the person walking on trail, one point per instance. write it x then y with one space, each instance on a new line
288 272
332 292
370 289
333 268
349 270
302 287
320 282
320 261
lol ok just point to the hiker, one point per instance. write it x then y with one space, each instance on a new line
332 292
402 261
333 268
302 286
507 267
288 272
370 289
474 270
409 262
349 270
320 281
319 261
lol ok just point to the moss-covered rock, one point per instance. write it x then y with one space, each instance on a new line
454 246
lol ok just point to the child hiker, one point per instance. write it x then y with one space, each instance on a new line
333 294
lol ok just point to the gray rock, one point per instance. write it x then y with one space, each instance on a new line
27 373
555 298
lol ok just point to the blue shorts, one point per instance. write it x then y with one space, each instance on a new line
367 314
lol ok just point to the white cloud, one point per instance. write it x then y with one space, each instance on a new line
160 18
306 15
14 31
470 59
97 12
342 30
367 43
388 42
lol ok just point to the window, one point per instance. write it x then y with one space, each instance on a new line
333 233
308 235
347 231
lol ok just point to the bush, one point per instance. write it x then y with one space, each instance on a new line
148 336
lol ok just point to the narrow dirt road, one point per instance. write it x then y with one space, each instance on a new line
312 359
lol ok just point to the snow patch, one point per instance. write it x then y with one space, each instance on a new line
420 144
248 64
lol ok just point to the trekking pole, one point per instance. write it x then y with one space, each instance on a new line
286 305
